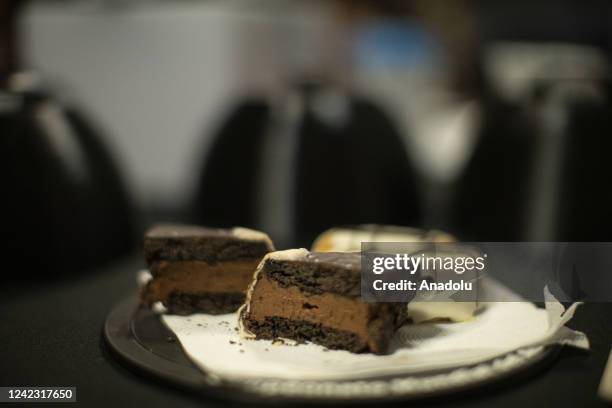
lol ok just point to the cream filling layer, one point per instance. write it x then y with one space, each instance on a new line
194 277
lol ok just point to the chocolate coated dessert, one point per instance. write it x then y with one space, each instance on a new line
197 269
311 296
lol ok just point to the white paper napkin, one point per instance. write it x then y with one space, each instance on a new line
213 343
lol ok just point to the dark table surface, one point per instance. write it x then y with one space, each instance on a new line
51 336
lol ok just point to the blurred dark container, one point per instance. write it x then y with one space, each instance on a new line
492 196
585 197
351 169
65 208
540 171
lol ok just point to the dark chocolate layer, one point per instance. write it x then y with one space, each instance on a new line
302 331
320 272
184 243
211 303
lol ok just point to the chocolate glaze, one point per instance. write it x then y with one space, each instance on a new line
177 242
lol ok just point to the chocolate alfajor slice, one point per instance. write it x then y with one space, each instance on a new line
311 296
197 269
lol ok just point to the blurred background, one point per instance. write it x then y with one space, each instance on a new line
487 119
